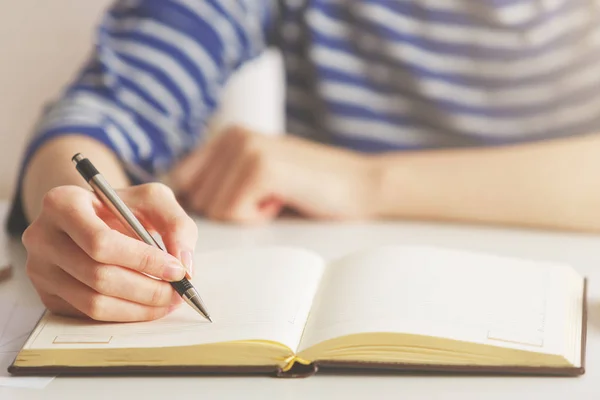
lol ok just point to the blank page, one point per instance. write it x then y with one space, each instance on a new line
452 294
251 294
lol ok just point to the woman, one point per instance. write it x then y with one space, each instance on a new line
482 112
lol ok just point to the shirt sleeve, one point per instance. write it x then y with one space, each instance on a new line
153 80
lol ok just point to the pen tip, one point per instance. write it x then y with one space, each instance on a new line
197 305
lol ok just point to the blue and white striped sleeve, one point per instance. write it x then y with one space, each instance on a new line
152 81
155 77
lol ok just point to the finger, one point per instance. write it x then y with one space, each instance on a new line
113 222
37 269
108 246
198 176
209 179
59 306
235 188
98 306
247 193
271 206
159 208
110 280
228 188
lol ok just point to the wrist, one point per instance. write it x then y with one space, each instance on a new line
373 184
386 176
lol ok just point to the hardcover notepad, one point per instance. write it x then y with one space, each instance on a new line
288 312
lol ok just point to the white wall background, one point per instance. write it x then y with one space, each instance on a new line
42 44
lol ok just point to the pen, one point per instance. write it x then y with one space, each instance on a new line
108 195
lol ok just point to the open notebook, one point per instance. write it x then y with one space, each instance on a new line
286 311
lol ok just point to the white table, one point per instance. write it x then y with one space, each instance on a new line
332 240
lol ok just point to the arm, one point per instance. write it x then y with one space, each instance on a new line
146 94
545 184
140 104
548 184
51 167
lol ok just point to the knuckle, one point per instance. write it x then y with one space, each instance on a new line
157 189
53 198
101 279
236 132
244 142
96 307
149 260
97 245
176 222
193 229
258 165
156 313
60 197
158 294
48 302
248 145
182 223
30 269
63 202
30 237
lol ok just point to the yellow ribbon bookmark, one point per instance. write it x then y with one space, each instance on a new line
291 360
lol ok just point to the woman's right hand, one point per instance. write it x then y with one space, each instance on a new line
83 262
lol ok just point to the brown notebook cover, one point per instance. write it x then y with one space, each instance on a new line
300 371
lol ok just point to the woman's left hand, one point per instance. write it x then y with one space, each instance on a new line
242 176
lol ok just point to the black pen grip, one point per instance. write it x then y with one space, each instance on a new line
182 286
86 169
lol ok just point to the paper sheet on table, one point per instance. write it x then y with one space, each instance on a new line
31 382
18 316
4 259
17 319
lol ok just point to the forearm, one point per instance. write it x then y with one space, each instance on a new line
553 184
51 166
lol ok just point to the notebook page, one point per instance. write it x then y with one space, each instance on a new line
251 294
452 294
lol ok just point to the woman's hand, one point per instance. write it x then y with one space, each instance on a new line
243 176
84 262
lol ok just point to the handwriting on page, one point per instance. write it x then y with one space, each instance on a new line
420 292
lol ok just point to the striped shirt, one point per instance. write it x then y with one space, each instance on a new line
370 75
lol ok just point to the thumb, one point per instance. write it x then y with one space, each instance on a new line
157 205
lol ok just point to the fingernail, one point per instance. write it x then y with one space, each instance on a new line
187 261
173 272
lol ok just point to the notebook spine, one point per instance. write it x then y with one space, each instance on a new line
298 370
